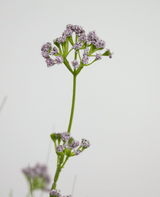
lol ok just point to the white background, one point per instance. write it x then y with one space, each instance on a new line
117 101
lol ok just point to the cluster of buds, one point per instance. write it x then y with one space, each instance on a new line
70 147
37 176
55 193
89 43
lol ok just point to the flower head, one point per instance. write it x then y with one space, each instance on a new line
77 152
45 49
85 59
74 144
50 62
55 193
75 64
61 39
85 143
59 59
65 136
54 51
98 56
38 174
60 148
78 45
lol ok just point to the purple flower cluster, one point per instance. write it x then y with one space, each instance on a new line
93 38
57 194
85 143
65 136
70 143
47 50
37 172
78 45
61 39
60 148
85 59
59 59
83 42
75 64
98 56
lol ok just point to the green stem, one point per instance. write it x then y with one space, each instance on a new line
56 177
73 103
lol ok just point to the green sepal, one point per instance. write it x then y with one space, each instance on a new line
50 48
107 53
84 45
58 45
70 140
61 159
61 154
71 40
68 154
92 49
53 137
65 48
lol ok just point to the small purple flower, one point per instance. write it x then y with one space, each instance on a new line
39 171
86 51
75 64
54 51
45 54
78 45
85 59
74 144
77 152
85 143
65 136
60 148
100 44
92 37
69 26
78 29
98 56
82 37
55 193
45 49
61 39
68 32
110 56
59 59
50 62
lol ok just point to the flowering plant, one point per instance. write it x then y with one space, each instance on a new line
84 49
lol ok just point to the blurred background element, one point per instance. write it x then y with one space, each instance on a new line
117 103
3 102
